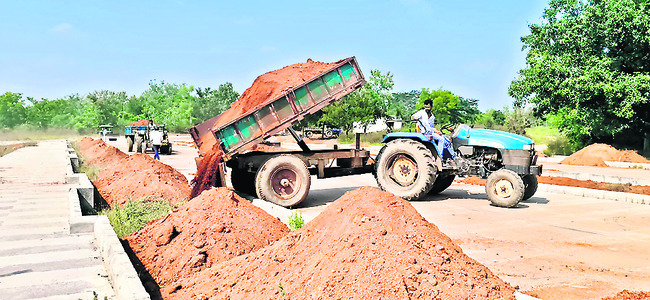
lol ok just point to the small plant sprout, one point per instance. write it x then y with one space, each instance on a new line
296 221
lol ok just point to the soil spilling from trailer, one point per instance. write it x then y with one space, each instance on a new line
597 154
628 295
141 123
132 177
209 229
564 181
98 153
265 88
368 244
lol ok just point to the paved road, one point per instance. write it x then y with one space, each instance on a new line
558 246
39 258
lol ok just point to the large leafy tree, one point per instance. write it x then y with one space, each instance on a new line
403 104
588 69
363 106
12 110
169 104
210 102
443 103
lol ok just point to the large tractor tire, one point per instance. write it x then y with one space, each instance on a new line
405 168
284 180
443 181
129 143
243 181
504 188
530 186
139 144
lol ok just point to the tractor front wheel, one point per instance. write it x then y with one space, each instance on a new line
405 168
530 186
504 188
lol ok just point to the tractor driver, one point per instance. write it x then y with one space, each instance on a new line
426 120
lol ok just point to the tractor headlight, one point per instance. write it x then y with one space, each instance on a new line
528 147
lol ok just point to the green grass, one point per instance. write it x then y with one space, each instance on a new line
542 135
134 215
296 221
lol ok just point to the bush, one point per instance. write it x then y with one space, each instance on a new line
134 215
560 145
296 221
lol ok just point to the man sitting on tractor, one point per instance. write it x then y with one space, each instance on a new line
426 121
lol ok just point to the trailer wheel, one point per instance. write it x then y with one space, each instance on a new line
169 149
504 188
283 180
243 181
442 183
530 186
405 168
129 143
309 134
328 134
138 144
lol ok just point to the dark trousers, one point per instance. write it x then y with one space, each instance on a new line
156 149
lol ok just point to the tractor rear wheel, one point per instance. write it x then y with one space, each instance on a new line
504 188
443 181
138 144
530 186
284 180
405 168
129 143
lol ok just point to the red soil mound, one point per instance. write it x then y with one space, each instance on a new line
98 153
597 154
264 89
627 295
139 176
141 123
368 244
209 229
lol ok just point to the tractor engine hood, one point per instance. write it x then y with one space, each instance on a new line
493 138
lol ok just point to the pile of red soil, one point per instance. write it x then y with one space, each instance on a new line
564 181
265 88
141 123
368 244
212 228
597 154
627 295
98 153
138 176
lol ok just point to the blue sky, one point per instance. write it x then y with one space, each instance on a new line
50 49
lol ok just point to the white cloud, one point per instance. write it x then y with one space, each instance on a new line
62 28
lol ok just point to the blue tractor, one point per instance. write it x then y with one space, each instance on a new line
410 166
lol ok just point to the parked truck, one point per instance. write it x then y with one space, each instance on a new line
140 137
408 165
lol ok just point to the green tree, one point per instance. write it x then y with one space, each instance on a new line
588 69
210 103
169 104
403 104
444 102
109 105
363 106
12 110
465 113
491 119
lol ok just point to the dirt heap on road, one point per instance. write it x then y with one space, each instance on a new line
627 295
138 176
265 88
368 244
597 154
98 153
214 227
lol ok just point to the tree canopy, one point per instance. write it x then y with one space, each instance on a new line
588 68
